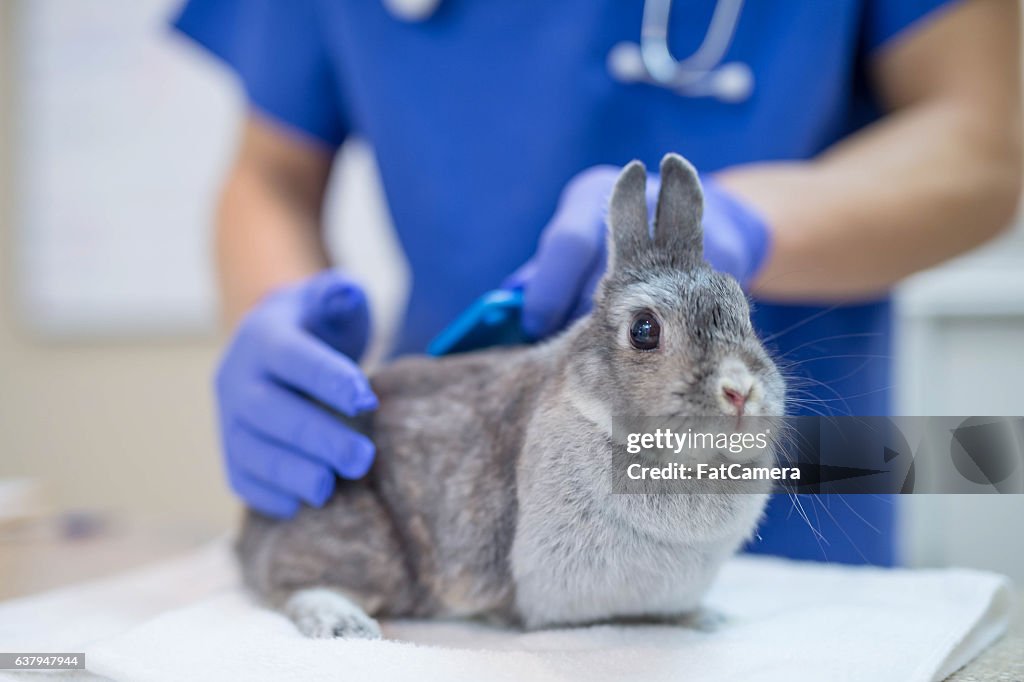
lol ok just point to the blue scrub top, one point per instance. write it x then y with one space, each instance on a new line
481 114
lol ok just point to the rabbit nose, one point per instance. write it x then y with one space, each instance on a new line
736 386
736 397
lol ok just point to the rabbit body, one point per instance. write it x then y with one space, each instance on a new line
491 493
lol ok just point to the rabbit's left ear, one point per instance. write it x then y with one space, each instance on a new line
629 234
677 223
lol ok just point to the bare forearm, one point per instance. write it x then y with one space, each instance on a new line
913 191
262 243
268 224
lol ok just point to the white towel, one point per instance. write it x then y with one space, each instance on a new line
785 621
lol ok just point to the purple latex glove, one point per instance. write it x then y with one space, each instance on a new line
558 282
292 358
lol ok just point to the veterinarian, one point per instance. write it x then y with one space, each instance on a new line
843 146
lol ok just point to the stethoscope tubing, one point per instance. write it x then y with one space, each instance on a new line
702 74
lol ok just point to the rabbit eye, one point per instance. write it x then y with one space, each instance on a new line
645 331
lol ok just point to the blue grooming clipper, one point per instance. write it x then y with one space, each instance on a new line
493 320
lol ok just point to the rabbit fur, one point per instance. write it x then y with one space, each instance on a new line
491 497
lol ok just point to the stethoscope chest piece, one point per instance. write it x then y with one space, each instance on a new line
412 10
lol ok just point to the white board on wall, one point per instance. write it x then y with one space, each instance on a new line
122 131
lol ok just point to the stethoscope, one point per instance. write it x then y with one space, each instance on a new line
702 74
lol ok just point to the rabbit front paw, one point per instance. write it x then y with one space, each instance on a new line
323 613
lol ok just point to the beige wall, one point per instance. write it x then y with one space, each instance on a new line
124 426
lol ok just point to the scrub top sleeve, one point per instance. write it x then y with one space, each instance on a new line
888 19
276 47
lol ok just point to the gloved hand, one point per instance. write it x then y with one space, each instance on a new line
558 282
294 350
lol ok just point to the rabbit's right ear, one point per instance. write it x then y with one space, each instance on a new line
627 216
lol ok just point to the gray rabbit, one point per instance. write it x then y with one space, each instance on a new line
491 495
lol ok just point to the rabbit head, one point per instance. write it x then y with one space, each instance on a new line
670 336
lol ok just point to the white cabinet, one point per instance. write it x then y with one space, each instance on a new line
960 351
